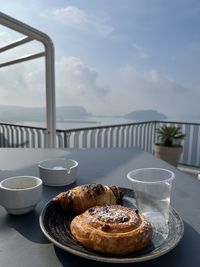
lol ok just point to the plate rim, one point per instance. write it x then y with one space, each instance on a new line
108 259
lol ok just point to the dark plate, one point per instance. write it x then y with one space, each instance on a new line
55 226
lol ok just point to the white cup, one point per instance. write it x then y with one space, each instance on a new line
20 194
58 172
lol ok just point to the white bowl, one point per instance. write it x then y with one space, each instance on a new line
20 194
58 172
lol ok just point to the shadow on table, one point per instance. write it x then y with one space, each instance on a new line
185 254
28 224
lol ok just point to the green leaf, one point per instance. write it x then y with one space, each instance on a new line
170 135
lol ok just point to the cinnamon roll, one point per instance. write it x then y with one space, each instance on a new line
112 229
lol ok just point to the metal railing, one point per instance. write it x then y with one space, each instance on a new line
140 135
13 135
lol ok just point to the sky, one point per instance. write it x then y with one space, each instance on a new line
112 57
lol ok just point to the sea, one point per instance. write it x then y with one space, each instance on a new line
80 123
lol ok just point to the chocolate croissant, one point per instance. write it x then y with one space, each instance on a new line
80 198
112 229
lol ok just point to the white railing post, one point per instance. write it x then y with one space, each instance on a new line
50 94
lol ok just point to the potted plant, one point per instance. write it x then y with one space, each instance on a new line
169 146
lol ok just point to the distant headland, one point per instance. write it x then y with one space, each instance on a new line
63 113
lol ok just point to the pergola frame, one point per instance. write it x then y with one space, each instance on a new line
32 34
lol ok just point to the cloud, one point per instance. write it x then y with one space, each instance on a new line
70 16
152 90
23 84
151 80
78 83
76 18
5 38
140 51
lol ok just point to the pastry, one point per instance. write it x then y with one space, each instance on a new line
80 198
112 229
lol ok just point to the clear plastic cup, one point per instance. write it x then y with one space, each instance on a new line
152 190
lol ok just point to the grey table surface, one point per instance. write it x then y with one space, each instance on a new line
22 243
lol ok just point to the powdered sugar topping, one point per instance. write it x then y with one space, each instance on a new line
112 214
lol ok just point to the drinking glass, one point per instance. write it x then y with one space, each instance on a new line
152 189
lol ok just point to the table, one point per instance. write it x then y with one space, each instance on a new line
22 243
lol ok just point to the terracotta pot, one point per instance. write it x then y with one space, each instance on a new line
169 154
